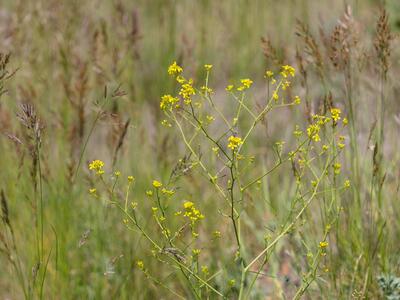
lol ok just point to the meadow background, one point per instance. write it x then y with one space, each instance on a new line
65 56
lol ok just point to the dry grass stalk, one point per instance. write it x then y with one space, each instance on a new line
342 40
382 41
311 47
32 124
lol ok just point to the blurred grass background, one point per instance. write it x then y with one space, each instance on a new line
66 52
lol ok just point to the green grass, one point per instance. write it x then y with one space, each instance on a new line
69 54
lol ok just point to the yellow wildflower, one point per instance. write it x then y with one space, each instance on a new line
269 74
217 234
335 112
167 192
187 90
208 67
347 184
157 184
204 269
165 123
192 213
336 168
313 132
97 165
167 102
180 79
234 142
285 85
174 69
323 244
215 150
196 252
206 89
287 70
188 205
140 264
246 84
297 132
210 118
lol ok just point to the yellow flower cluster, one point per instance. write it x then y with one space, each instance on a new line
168 102
206 89
191 212
196 252
167 192
97 165
287 71
323 244
321 120
208 67
347 184
297 132
217 234
341 143
205 270
157 184
174 69
335 112
229 88
140 264
210 119
234 142
180 79
314 129
268 74
285 85
165 123
246 84
336 168
188 204
187 91
313 132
